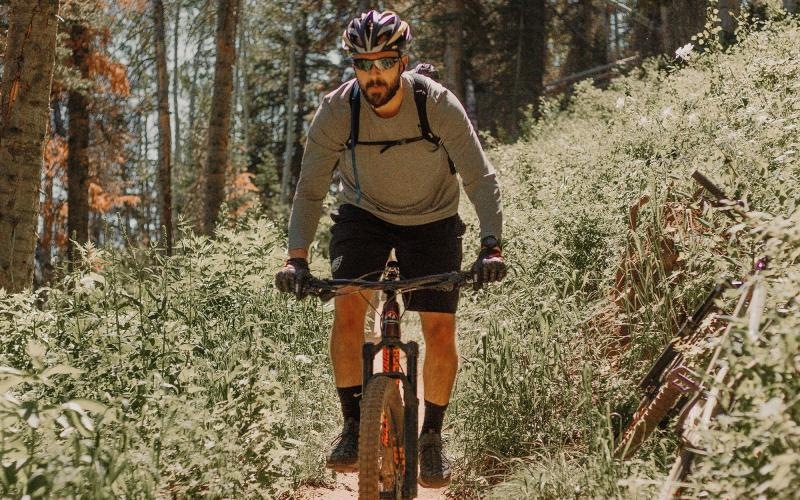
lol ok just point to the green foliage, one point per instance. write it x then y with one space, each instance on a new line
191 376
538 391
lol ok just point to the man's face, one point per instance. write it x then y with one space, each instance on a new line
379 85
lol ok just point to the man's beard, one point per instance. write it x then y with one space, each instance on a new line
376 101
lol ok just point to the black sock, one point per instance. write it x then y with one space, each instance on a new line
350 397
434 416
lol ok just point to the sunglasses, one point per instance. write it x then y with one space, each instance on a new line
382 64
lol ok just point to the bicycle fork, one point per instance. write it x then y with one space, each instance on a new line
390 347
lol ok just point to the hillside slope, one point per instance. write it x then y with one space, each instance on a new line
551 365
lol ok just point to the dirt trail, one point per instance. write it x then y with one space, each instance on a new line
346 485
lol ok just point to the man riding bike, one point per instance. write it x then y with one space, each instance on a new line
398 192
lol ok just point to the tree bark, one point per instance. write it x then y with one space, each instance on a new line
193 102
164 131
303 44
588 35
791 5
78 143
176 82
286 174
24 113
454 48
220 119
666 25
728 11
528 80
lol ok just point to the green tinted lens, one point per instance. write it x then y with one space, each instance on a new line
382 64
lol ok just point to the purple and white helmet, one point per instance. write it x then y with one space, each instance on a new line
376 32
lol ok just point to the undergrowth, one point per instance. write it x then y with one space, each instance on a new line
142 376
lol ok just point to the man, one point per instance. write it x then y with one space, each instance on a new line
399 194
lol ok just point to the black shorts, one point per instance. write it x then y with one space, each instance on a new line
361 243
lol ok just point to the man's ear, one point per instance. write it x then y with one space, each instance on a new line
404 59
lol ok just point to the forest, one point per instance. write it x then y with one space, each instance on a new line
149 153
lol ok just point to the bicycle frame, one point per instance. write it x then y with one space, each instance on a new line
390 346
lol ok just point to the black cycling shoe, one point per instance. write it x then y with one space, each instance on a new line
434 468
343 456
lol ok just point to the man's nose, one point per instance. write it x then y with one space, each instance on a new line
373 69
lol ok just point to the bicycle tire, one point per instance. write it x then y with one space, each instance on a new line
679 381
379 474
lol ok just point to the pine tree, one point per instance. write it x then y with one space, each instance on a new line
164 131
220 120
27 78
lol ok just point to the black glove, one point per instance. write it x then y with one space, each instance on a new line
293 277
490 265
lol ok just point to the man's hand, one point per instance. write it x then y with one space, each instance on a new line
490 265
293 277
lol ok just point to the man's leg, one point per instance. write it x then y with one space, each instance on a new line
438 373
347 336
441 356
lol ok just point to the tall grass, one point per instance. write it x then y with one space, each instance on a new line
189 376
552 356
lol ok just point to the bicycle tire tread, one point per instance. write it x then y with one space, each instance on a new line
381 392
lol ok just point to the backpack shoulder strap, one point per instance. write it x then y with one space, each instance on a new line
355 114
421 100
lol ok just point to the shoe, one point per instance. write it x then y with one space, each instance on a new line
434 468
343 456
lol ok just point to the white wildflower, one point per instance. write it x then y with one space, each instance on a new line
685 52
771 408
620 102
302 358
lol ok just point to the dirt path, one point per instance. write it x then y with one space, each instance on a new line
346 485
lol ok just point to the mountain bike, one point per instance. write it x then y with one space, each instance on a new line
387 446
670 384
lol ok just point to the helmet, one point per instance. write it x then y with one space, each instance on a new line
375 32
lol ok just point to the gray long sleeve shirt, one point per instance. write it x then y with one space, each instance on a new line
408 184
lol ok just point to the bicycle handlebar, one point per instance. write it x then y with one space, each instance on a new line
327 288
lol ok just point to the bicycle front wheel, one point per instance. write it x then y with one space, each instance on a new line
381 455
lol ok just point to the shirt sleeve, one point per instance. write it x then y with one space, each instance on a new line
321 154
451 123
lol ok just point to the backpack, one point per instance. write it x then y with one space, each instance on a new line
420 99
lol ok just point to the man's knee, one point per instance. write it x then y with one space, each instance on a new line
349 313
439 329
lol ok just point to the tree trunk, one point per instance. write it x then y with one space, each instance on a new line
78 142
646 37
176 82
588 35
193 102
303 44
454 48
681 19
528 80
244 59
286 174
44 248
791 5
164 131
25 109
666 25
220 118
728 11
